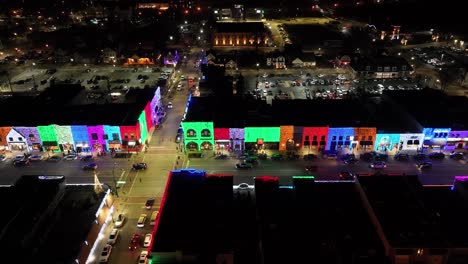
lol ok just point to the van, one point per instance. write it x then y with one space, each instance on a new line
154 215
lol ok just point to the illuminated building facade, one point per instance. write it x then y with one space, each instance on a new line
198 136
384 141
457 140
261 138
435 138
339 138
364 137
240 34
315 138
411 141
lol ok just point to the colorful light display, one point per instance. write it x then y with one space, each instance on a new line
198 135
143 126
386 141
340 138
221 134
267 134
286 137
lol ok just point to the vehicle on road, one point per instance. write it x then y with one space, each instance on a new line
139 166
120 220
22 162
346 175
90 166
437 155
351 161
154 215
35 157
70 157
147 240
169 105
149 203
141 220
424 165
18 158
378 165
3 157
221 156
311 168
142 258
106 251
347 156
54 159
331 156
114 234
251 160
243 156
457 156
401 157
87 158
368 156
244 166
134 242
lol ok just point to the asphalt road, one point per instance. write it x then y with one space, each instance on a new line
441 173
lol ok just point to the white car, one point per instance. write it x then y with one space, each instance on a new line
120 220
106 251
70 157
147 240
35 157
142 258
114 234
169 105
141 220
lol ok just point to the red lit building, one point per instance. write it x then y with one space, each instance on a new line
314 138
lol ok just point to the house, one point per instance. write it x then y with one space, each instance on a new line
304 60
223 60
380 67
276 60
109 56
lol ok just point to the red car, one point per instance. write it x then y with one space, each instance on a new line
134 242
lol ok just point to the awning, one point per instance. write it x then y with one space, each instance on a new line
49 143
366 143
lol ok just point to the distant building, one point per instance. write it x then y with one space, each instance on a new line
304 60
380 67
109 56
246 34
276 60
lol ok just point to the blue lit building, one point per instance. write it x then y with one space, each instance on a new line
435 138
340 138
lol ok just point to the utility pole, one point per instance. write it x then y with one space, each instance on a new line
115 182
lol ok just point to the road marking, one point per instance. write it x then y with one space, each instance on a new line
135 179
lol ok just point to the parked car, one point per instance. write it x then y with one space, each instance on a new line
149 203
106 251
35 157
139 166
22 162
419 156
54 159
401 157
90 166
3 157
147 241
331 156
243 166
70 157
424 165
143 256
87 158
18 158
351 161
437 155
378 165
221 156
120 220
134 242
114 234
346 175
141 220
457 156
347 156
381 157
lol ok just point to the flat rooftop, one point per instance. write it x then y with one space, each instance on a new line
240 27
71 105
205 218
45 219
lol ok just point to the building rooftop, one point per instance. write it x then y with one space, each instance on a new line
71 105
240 27
432 108
46 220
360 64
204 217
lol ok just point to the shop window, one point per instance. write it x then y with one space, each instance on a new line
191 133
20 139
10 138
126 136
94 136
115 136
205 133
363 138
314 138
416 142
394 68
409 142
403 68
306 138
333 138
105 136
369 138
436 135
132 136
340 138
379 69
322 138
347 138
32 138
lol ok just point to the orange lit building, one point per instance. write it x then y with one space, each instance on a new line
286 138
240 34
364 138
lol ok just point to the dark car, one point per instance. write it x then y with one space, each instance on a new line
347 156
351 161
243 156
221 156
22 162
424 165
149 203
251 160
381 157
54 159
457 156
139 166
277 156
367 156
87 158
51 71
346 175
310 157
437 155
401 157
419 156
243 166
134 242
91 166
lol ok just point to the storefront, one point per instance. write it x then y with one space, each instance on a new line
262 138
16 141
199 136
340 138
435 138
457 140
364 138
50 146
236 138
387 142
411 141
315 138
222 139
82 147
48 135
32 137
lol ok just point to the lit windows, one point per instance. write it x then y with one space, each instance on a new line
205 133
32 138
191 133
